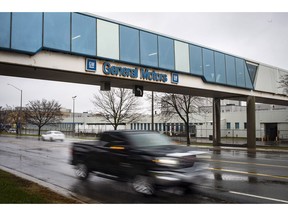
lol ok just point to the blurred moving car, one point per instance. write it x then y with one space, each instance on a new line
147 159
53 135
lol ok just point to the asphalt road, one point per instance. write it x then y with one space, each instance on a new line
234 176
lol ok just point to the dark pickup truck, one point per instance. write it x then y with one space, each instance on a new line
148 160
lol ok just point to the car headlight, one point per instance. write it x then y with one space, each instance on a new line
166 161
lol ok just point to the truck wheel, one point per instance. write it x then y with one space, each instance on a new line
81 171
143 185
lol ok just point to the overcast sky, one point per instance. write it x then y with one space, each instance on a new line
261 37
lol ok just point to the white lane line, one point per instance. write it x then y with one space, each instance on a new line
249 173
260 197
257 164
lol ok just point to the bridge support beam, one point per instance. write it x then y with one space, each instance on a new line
216 122
251 126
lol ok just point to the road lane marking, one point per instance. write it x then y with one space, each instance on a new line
249 173
257 164
260 197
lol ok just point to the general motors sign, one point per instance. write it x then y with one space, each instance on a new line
90 65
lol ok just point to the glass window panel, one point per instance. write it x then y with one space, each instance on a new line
220 69
166 53
83 34
196 60
107 39
57 31
129 44
208 63
237 125
5 30
230 70
148 49
26 32
240 73
228 125
181 56
248 79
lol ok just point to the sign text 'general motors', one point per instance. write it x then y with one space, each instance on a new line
145 74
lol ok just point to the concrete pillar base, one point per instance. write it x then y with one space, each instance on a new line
251 123
216 122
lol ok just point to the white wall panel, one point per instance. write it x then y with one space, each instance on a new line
266 79
107 39
181 56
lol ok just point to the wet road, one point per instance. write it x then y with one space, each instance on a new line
234 176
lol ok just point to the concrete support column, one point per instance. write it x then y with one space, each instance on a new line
216 122
251 125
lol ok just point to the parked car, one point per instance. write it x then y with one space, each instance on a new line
53 135
12 130
146 159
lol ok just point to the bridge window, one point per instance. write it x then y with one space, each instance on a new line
230 70
240 75
181 56
26 32
252 68
166 53
57 31
5 30
196 60
148 49
208 63
129 44
247 78
107 39
220 70
83 36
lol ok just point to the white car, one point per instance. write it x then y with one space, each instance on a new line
53 135
12 130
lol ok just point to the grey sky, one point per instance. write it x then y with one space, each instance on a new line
261 37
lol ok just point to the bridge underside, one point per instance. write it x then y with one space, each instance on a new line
92 79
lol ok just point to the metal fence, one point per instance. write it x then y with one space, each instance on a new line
236 136
228 136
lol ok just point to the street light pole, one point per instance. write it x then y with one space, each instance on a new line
73 114
19 125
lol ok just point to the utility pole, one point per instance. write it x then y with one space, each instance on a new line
74 115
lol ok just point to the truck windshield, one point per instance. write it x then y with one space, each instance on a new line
150 140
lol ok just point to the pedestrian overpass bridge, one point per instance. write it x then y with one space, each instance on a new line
82 48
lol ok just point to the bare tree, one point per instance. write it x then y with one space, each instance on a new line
10 116
42 113
284 82
4 118
181 105
117 106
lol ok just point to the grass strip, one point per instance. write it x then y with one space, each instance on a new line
16 190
